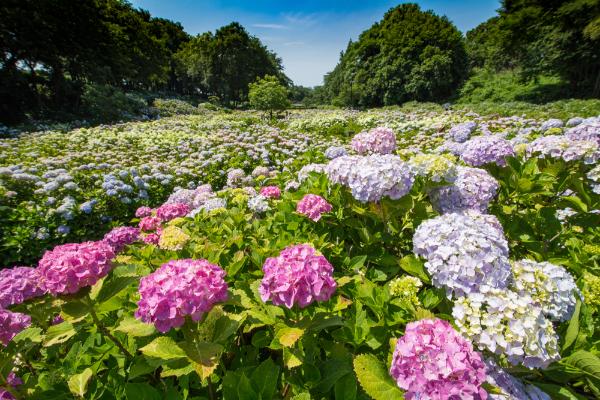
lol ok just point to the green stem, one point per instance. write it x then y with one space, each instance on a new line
107 333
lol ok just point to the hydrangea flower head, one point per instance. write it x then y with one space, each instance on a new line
170 211
122 236
313 206
378 140
511 387
482 150
271 192
339 170
70 267
12 323
406 288
463 255
550 286
150 223
258 204
19 284
473 189
432 361
437 168
152 238
335 152
591 291
460 133
173 238
298 276
178 289
508 323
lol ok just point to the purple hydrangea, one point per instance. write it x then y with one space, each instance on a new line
178 289
313 206
70 267
19 284
567 148
13 380
483 150
473 189
511 387
551 123
12 323
120 237
340 169
432 361
378 140
460 133
463 254
143 212
298 276
170 211
335 152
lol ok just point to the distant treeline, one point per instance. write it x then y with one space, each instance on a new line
65 57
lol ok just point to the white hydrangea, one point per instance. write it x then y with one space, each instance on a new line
507 323
463 254
550 286
258 204
304 172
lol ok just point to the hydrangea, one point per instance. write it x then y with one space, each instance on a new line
235 177
460 133
120 237
143 212
511 387
213 204
18 284
202 194
473 189
340 169
182 196
550 286
170 211
173 238
13 380
271 192
305 171
450 147
376 176
594 176
555 146
463 255
70 267
551 123
260 171
591 291
150 223
406 288
12 323
298 276
508 323
152 238
378 140
6 395
291 186
258 204
313 206
432 361
482 150
178 289
437 168
335 152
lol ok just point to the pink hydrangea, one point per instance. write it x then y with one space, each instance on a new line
6 395
170 211
119 237
378 140
272 192
432 361
180 288
152 238
313 206
18 284
70 267
297 276
13 380
12 323
150 223
143 212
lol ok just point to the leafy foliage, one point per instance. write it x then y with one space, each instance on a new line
268 94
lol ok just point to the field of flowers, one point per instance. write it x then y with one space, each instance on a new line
330 255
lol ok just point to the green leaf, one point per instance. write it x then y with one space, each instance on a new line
59 333
141 391
245 389
164 348
375 379
78 383
30 334
357 262
573 329
576 202
558 392
265 377
113 287
135 328
345 388
204 356
588 364
287 336
415 267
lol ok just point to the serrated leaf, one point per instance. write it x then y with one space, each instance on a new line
135 328
415 267
264 378
164 348
78 383
588 364
375 379
112 287
290 359
59 333
345 388
204 356
30 334
288 336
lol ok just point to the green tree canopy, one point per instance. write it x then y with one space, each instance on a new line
268 94
409 55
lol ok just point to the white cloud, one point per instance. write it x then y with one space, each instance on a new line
269 26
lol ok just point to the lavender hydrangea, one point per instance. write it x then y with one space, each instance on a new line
11 323
122 236
258 204
554 146
335 152
178 289
463 255
341 169
70 267
511 387
482 150
378 140
473 189
19 284
298 276
549 285
551 123
460 133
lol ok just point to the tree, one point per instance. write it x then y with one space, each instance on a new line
268 94
409 55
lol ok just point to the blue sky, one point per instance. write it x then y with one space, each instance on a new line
307 35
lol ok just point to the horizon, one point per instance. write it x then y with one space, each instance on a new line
295 31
